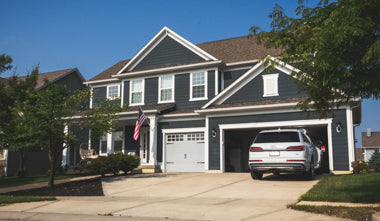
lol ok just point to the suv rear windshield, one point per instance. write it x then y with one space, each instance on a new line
276 137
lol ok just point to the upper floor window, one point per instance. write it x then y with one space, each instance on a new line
136 92
113 91
270 85
166 89
198 85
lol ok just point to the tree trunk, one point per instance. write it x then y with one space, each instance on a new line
52 169
21 169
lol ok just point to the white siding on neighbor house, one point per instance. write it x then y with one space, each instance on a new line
368 153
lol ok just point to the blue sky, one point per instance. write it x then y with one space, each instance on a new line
92 35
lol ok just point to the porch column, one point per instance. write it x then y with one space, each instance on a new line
109 143
153 141
66 151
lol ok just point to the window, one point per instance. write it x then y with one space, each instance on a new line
103 144
117 137
196 137
112 91
198 85
270 85
277 137
166 89
174 137
137 92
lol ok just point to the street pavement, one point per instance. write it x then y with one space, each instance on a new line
178 196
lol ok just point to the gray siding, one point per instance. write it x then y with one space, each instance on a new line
72 82
339 140
34 162
151 91
253 91
126 92
99 95
131 145
171 125
182 91
231 76
168 53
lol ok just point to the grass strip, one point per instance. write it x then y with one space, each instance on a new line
4 200
354 188
355 213
18 181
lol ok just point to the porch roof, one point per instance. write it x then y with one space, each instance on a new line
149 109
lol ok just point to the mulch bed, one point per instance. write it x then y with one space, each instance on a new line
90 187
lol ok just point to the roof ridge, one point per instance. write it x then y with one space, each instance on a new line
226 39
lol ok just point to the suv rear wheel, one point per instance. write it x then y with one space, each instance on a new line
256 175
311 173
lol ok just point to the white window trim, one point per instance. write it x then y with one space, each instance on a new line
191 86
143 92
267 77
118 91
159 89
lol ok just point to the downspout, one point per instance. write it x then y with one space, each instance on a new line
354 126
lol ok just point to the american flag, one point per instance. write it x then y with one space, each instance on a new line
140 120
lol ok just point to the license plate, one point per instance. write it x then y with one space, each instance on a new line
274 153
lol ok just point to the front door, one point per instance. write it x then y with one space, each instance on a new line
144 145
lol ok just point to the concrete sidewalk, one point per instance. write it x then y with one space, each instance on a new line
183 196
44 184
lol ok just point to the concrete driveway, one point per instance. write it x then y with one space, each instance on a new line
190 196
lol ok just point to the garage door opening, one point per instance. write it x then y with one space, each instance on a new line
238 141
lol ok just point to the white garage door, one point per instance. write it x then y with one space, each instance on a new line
185 152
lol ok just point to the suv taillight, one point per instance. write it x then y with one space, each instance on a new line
255 149
296 148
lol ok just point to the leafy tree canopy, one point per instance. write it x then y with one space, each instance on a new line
5 63
336 47
44 120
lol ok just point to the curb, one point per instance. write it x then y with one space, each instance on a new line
44 184
343 204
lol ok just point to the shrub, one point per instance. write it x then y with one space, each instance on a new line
374 161
112 163
359 167
98 165
129 162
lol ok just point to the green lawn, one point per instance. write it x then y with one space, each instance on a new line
355 188
355 213
21 199
17 181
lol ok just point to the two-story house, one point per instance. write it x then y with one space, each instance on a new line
205 103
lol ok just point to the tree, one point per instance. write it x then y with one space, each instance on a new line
53 109
5 63
336 47
374 161
11 92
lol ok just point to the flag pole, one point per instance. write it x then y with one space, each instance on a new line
146 116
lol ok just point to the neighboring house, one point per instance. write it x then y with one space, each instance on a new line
370 142
359 154
205 103
38 162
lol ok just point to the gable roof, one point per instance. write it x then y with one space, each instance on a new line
53 76
165 31
372 141
247 77
238 49
107 74
228 50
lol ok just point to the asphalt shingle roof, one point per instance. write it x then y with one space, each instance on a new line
50 76
228 50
